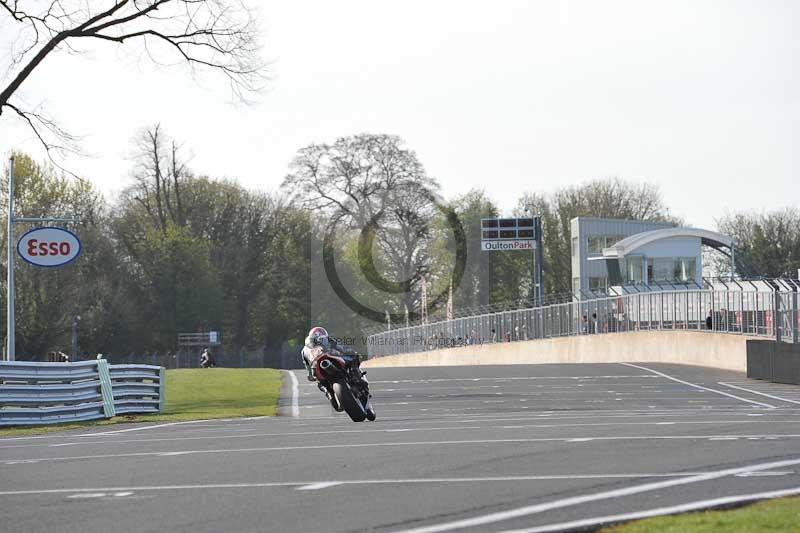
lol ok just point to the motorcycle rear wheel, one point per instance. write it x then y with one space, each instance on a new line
346 399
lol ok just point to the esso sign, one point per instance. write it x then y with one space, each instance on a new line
49 247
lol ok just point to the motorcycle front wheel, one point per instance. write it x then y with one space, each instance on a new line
346 399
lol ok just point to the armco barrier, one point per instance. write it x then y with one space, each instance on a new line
137 388
49 393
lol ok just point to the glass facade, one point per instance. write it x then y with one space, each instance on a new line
598 242
634 269
598 283
629 271
671 269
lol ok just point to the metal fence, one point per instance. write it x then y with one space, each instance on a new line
762 314
49 393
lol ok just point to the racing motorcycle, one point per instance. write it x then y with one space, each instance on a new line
342 381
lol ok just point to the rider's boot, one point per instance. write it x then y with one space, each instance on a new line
331 398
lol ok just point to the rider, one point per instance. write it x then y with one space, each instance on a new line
319 341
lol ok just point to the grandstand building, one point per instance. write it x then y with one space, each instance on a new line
635 255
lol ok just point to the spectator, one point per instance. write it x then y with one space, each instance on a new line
593 324
494 335
584 325
709 321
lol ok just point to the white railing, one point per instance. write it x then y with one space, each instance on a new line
762 314
49 393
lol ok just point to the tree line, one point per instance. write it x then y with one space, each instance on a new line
357 234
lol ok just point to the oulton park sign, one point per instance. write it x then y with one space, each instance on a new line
500 246
49 247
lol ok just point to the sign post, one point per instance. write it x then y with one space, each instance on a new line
10 325
48 250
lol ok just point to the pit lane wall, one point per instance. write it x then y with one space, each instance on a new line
717 350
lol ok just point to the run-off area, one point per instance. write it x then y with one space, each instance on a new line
487 448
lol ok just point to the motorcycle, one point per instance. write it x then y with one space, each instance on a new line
342 381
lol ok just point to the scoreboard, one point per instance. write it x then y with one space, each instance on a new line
500 234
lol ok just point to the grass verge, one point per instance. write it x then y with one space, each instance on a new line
771 515
196 394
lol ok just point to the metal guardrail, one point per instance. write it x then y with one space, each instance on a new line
763 314
712 283
50 393
138 388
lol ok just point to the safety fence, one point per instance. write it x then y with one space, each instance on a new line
50 393
762 314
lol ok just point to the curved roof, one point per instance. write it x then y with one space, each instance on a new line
629 244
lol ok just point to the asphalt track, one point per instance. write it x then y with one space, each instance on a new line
490 448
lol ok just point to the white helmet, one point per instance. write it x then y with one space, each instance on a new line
318 336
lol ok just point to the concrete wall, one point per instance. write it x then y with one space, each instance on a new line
716 350
773 361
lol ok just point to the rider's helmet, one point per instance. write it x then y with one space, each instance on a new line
317 336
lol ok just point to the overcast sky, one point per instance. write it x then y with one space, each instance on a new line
702 98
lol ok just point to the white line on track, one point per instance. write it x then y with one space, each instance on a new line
318 485
158 426
759 393
514 378
537 424
716 438
683 508
700 386
295 394
586 498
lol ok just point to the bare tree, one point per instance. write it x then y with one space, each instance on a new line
219 35
355 176
377 189
159 173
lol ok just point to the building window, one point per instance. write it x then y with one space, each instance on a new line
671 269
634 269
598 242
688 269
611 240
598 283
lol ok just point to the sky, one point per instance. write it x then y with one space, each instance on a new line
699 97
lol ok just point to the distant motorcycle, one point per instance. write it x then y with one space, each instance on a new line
206 361
342 381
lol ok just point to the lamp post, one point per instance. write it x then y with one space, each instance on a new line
538 281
